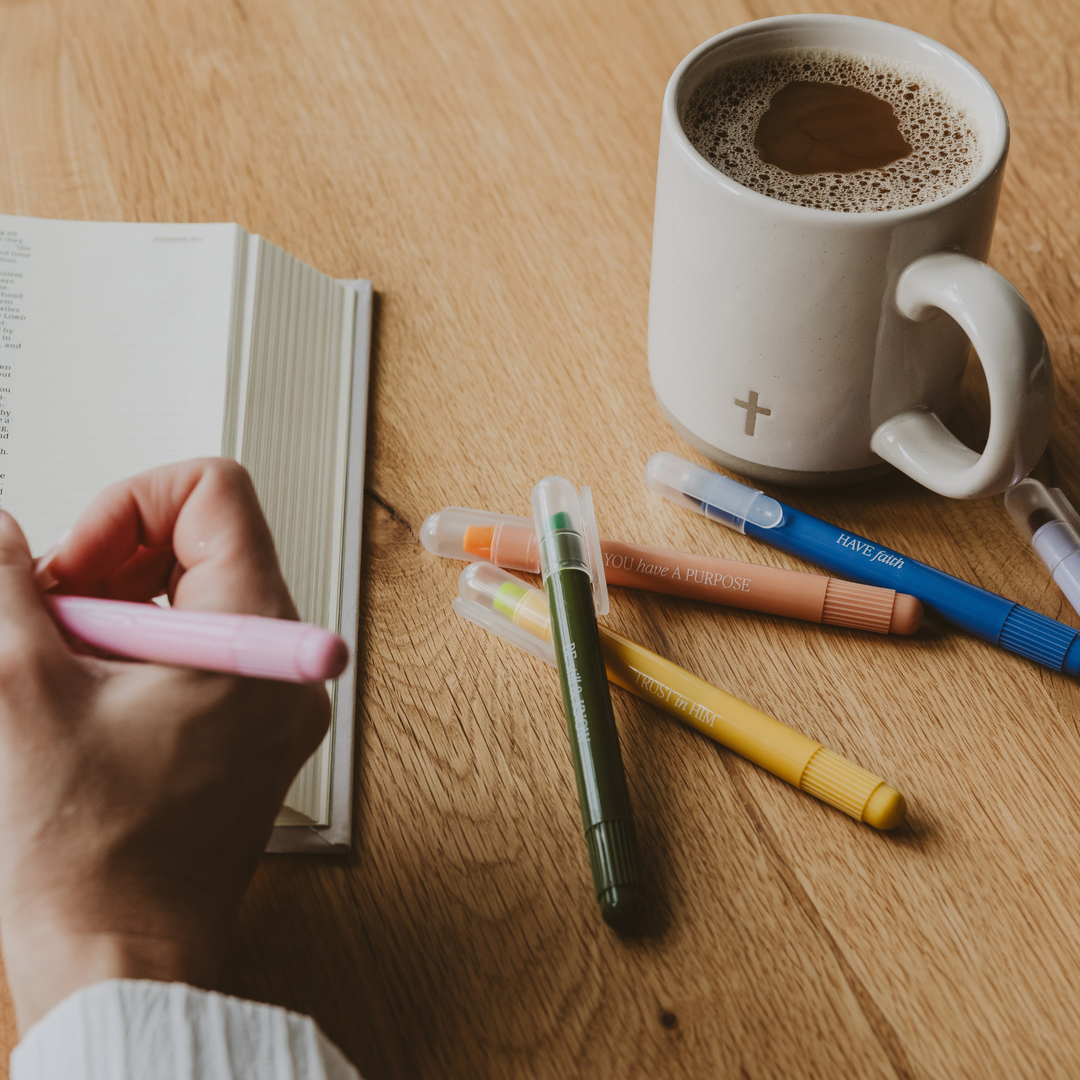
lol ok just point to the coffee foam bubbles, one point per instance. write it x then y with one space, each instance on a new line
723 112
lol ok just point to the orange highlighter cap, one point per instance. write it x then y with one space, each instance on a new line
474 535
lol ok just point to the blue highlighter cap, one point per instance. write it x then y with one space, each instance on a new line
710 494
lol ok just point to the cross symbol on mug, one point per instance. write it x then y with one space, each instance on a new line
752 409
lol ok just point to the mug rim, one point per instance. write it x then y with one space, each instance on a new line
992 163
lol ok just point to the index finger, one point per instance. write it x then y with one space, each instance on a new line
201 517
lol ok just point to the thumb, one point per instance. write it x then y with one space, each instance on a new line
26 627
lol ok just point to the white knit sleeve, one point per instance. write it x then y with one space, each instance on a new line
126 1029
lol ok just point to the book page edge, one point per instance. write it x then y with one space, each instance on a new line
336 838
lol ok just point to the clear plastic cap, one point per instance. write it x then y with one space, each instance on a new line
472 535
710 494
1031 506
566 530
495 600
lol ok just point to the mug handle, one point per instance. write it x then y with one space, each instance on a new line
1016 361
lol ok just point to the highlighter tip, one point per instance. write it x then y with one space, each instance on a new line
477 540
907 614
885 809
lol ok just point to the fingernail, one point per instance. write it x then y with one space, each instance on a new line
44 577
9 528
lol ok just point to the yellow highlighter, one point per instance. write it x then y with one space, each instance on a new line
514 610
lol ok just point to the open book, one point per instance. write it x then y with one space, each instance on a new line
125 346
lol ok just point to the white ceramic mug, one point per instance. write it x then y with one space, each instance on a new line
815 347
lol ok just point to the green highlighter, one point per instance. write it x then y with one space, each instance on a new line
572 568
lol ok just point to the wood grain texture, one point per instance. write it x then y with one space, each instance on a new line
489 164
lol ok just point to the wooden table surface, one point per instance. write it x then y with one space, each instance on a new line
489 165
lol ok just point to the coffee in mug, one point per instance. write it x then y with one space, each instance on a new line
833 131
825 200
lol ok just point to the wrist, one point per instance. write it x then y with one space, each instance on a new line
45 964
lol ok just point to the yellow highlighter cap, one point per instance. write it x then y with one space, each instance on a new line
507 607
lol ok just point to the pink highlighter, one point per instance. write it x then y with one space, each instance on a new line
210 640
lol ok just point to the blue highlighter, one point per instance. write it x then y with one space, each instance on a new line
985 614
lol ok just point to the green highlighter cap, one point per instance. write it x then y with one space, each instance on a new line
567 536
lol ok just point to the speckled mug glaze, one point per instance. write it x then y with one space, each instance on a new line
814 347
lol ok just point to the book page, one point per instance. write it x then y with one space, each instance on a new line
293 436
114 351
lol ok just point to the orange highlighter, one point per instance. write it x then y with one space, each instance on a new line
510 542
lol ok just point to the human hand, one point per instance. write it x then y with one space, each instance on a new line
135 799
